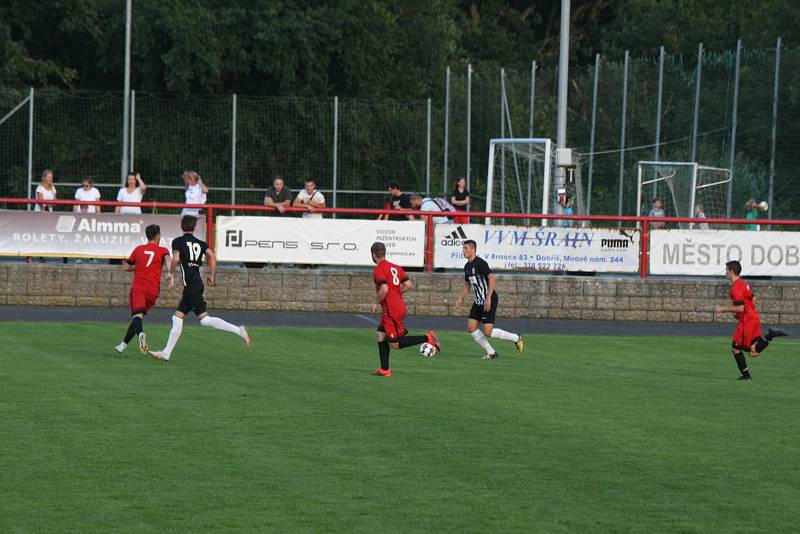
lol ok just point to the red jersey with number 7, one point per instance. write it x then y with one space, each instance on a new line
147 261
386 272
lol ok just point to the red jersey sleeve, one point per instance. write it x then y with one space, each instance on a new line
132 258
379 275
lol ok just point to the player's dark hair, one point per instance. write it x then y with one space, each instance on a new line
470 242
393 185
152 231
735 267
378 249
313 181
188 223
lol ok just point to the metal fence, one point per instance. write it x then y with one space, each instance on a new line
737 109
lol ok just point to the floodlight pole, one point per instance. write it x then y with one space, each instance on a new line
560 181
127 93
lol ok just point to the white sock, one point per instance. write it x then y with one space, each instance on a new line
219 324
481 340
502 334
174 334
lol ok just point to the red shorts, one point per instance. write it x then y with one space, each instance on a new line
746 334
392 327
142 299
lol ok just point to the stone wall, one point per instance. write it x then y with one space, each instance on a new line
533 296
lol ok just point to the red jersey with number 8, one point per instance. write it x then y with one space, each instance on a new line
147 261
386 272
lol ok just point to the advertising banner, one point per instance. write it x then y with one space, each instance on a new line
705 252
83 235
537 248
318 241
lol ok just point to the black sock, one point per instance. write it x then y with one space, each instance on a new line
383 352
761 344
741 362
133 329
410 341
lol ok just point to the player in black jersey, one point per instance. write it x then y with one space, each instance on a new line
188 252
479 277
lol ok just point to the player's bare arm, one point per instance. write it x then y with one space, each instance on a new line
406 287
212 264
379 296
487 303
167 273
460 299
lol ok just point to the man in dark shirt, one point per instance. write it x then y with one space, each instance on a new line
188 253
479 277
278 196
398 201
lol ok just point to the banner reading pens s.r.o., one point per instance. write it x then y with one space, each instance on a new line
537 248
705 252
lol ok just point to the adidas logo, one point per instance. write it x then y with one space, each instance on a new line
455 238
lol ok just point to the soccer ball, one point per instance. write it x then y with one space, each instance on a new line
427 350
763 206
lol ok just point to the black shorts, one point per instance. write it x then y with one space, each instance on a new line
193 300
482 316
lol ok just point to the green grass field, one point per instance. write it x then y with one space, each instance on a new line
625 434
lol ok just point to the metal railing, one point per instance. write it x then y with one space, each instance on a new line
642 222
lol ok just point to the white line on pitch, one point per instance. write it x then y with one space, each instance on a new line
368 319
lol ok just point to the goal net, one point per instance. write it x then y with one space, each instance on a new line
685 189
518 179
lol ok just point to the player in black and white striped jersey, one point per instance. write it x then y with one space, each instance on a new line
479 277
188 253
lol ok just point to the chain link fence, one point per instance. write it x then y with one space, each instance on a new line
619 113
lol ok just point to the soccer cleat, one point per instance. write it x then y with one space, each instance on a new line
243 334
143 343
489 356
745 377
433 339
382 372
159 355
121 347
520 345
772 334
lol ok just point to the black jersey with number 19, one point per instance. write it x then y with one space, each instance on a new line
191 252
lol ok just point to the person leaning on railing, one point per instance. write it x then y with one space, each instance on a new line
278 196
132 192
87 192
196 192
310 198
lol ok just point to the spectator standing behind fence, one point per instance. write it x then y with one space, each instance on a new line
87 193
751 212
657 211
310 199
196 192
278 196
700 213
46 191
132 192
460 198
398 201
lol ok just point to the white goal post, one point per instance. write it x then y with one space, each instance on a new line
682 186
517 166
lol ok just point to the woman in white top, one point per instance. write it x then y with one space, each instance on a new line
196 192
132 192
87 193
46 191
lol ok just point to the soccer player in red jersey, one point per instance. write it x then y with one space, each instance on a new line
748 331
391 283
146 262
